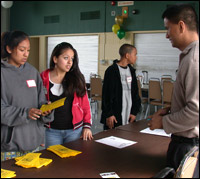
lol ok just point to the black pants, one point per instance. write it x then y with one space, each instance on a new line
178 147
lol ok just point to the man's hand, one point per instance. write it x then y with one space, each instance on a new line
155 122
110 121
132 118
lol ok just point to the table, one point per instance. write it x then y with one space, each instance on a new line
141 160
135 126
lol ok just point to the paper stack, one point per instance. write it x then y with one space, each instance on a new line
32 160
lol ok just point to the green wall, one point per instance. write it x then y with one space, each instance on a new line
29 16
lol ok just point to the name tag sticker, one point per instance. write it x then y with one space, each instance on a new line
129 79
31 83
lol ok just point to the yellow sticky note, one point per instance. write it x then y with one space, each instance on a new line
54 105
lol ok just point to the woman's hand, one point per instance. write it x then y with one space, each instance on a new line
34 113
47 112
87 134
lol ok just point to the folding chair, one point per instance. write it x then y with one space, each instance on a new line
145 75
144 100
96 90
141 79
154 95
165 77
186 168
188 163
168 86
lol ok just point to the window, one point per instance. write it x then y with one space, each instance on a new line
156 55
87 49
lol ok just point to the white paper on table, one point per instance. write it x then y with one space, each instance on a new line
109 175
160 132
116 142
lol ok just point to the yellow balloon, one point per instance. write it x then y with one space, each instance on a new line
115 28
119 20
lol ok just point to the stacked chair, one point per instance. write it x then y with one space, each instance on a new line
95 90
144 100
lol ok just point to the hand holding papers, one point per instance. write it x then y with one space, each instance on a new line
116 142
54 105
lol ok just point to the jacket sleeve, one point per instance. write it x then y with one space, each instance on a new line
42 100
45 79
136 101
87 118
16 115
184 117
107 95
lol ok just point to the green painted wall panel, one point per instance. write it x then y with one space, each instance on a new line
29 16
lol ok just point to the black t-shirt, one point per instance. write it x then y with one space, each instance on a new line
62 115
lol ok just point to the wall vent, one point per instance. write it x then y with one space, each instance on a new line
51 19
90 15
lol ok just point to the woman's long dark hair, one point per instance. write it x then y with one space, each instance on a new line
74 80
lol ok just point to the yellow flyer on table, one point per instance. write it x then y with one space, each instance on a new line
54 105
7 173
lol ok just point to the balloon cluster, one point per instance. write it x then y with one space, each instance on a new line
116 27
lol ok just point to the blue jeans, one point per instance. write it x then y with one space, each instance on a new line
56 136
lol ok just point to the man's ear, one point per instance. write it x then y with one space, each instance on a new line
127 55
182 26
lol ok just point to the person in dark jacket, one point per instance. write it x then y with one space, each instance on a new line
120 98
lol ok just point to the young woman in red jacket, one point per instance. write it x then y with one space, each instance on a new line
64 79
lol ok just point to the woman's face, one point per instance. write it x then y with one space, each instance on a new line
19 55
64 61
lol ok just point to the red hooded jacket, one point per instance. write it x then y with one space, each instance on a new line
80 105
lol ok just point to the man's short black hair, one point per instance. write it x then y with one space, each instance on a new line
183 12
125 48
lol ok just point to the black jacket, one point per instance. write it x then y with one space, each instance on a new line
112 94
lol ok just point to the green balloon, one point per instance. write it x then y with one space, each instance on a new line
121 33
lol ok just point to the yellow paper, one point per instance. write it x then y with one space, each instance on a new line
63 151
32 160
7 173
54 105
44 162
29 160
